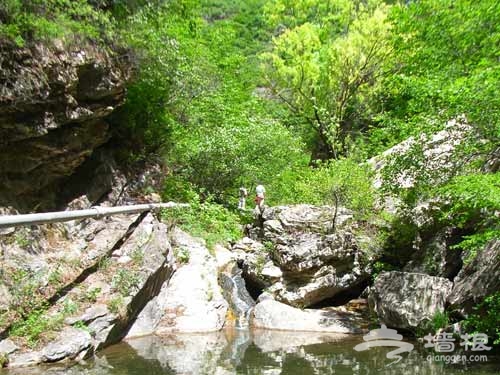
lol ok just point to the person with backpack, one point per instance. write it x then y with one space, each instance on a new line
242 198
260 195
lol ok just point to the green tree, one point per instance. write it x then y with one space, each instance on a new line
329 81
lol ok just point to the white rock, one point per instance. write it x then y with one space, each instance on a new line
191 301
405 300
271 314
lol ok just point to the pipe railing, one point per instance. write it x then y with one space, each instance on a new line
8 221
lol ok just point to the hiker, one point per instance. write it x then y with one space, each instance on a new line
259 198
243 197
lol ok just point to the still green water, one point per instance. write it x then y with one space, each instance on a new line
264 352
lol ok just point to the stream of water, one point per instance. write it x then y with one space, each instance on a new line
263 352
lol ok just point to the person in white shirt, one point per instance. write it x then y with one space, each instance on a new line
259 198
243 197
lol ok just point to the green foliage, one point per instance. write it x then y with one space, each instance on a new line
21 238
137 256
326 66
344 179
445 64
36 324
182 255
438 321
210 221
117 305
81 325
218 160
125 281
25 293
91 294
39 323
472 202
69 307
104 263
26 20
486 318
4 359
163 78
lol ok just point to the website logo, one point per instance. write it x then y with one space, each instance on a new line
385 337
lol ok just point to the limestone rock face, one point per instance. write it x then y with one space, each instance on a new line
110 292
434 254
54 101
435 151
303 258
192 300
71 342
406 300
271 314
477 279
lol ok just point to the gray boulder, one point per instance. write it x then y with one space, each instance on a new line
271 314
477 279
71 342
302 258
407 300
7 346
304 217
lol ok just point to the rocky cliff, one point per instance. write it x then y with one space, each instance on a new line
54 102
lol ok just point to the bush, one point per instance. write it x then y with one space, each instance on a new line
124 281
486 318
25 20
472 203
218 160
342 180
210 221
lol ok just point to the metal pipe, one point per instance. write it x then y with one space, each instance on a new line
96 211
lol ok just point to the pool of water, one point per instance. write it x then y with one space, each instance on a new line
268 353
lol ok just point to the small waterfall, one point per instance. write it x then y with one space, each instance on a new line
235 292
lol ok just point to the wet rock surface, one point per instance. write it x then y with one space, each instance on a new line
234 291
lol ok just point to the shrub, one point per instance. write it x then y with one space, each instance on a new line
24 20
210 221
472 203
182 255
486 318
124 281
345 181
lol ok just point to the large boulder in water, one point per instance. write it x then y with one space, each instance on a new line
407 300
271 314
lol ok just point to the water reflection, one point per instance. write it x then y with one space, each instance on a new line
259 352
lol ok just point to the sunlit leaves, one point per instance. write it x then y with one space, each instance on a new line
329 79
